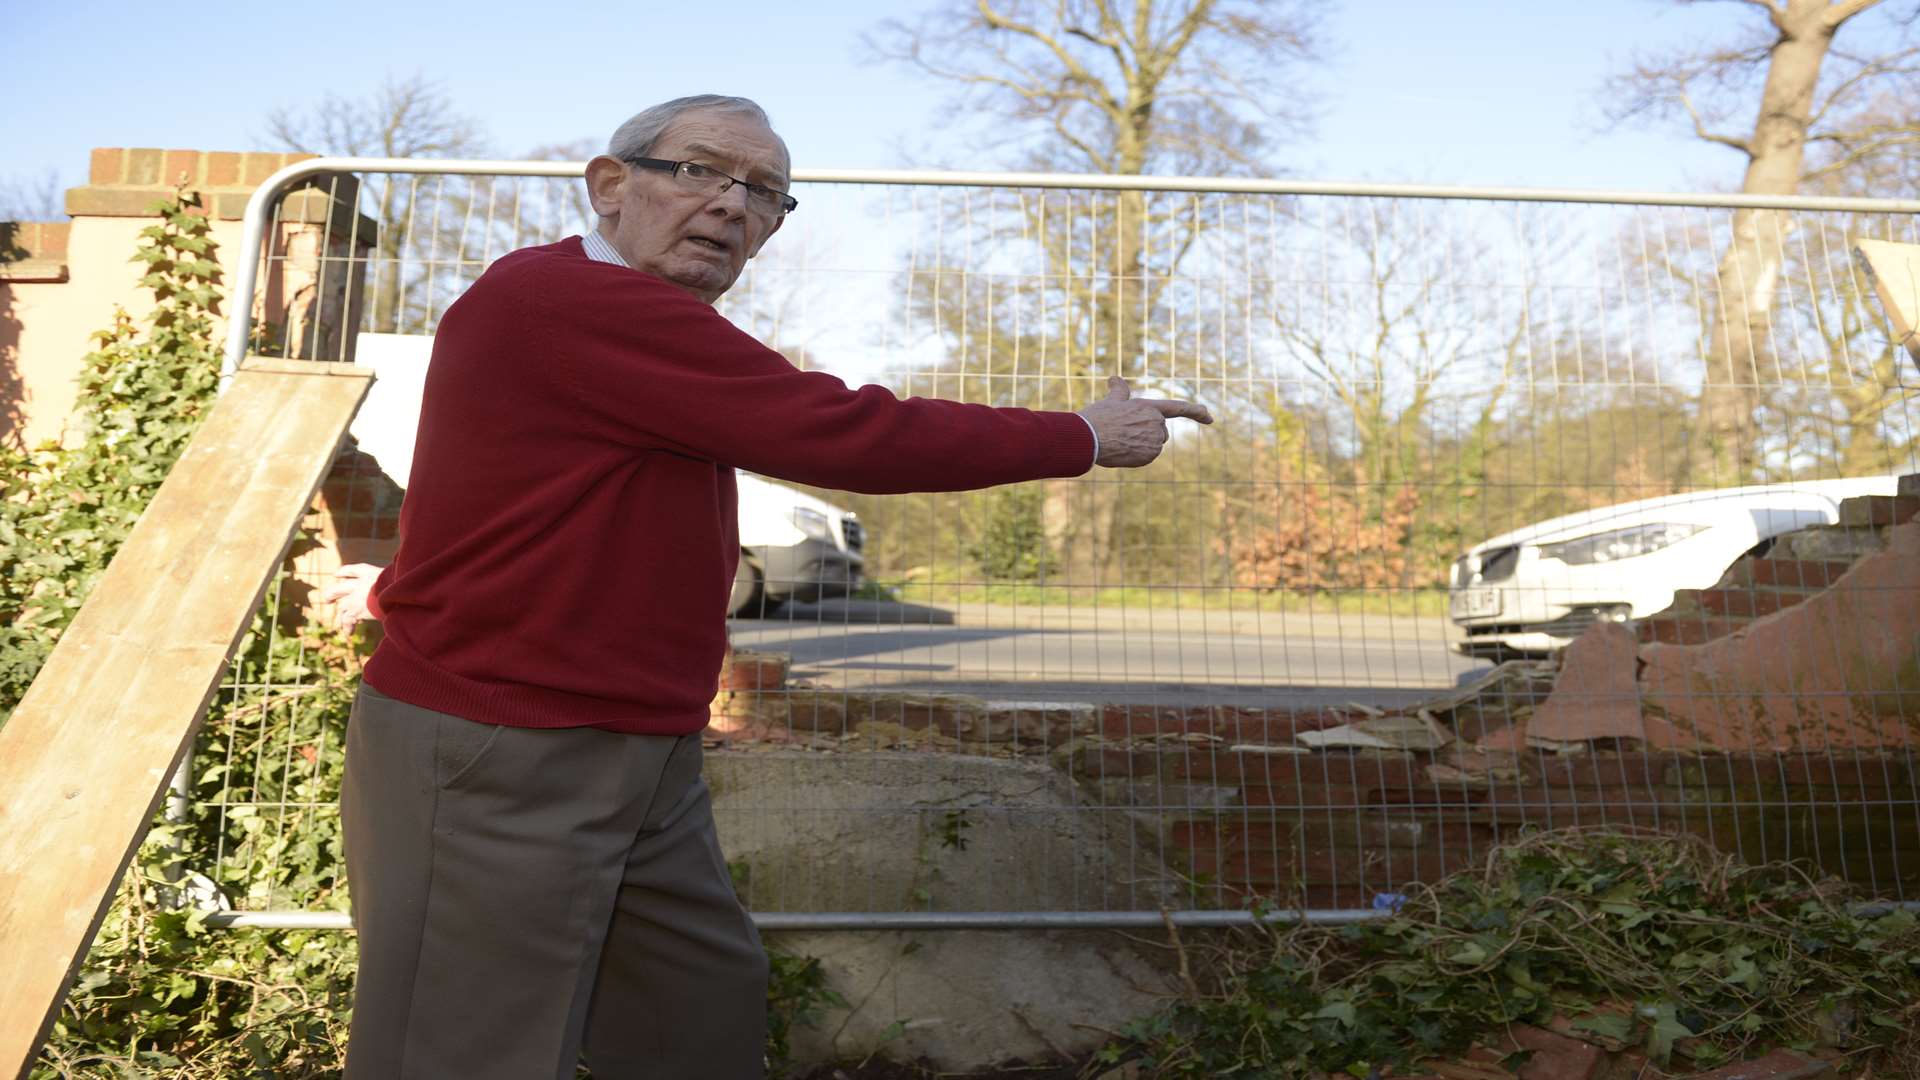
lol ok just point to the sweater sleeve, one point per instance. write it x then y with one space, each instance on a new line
657 368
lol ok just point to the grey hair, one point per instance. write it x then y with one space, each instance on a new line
637 136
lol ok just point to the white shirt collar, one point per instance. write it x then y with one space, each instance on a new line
600 251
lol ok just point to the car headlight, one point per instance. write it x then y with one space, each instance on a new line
813 523
1619 544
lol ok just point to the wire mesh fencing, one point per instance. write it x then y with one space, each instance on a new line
1521 510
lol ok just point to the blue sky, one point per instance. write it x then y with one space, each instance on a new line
1467 91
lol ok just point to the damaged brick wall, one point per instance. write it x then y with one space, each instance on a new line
1234 800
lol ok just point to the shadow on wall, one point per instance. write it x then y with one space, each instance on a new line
12 387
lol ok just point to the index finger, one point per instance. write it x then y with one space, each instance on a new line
1192 410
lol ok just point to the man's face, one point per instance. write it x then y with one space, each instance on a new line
697 240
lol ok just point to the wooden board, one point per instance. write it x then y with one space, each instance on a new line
84 761
1895 269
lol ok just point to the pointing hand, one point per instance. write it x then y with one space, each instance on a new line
1132 430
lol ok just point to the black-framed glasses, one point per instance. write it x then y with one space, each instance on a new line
706 178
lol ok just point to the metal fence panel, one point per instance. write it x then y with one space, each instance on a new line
1234 674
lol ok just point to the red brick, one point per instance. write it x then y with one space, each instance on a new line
1192 834
1216 763
255 168
182 167
812 713
107 165
1269 779
1778 1065
228 206
1551 808
1555 1056
754 671
113 201
949 715
143 165
1308 796
1876 772
1478 1063
1325 897
1103 762
1205 833
1794 573
1261 871
1383 867
349 495
1724 770
1687 629
1426 792
52 239
1263 726
1876 510
1398 828
223 169
354 463
1747 603
1634 769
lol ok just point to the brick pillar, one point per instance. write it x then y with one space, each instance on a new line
308 300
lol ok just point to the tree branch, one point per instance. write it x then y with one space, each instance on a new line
1837 14
1700 128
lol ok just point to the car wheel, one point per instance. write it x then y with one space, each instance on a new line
749 591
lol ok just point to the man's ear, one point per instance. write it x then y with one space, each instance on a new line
606 177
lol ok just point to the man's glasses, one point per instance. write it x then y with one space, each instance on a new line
706 178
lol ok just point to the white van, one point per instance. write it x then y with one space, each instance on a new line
792 547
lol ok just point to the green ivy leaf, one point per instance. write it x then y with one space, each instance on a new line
1612 1026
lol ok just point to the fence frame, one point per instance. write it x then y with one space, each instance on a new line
260 214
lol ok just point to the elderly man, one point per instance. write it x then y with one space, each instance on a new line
530 846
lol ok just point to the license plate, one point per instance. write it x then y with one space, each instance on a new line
1474 603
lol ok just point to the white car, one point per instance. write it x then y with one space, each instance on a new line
1534 590
793 547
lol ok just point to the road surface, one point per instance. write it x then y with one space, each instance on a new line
1129 656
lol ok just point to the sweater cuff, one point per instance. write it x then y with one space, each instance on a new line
373 596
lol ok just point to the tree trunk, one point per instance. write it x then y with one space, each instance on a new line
1740 357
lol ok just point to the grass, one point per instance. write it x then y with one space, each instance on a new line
950 589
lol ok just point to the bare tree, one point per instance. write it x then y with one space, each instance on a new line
1182 87
402 118
37 198
1821 111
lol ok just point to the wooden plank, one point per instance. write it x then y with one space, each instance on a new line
283 366
1895 270
85 759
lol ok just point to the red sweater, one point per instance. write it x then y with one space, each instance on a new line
568 538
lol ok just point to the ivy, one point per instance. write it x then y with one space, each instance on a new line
1656 943
160 994
143 391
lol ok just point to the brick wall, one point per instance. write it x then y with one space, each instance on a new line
1226 797
34 251
126 182
61 281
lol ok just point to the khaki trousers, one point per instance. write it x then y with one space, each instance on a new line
521 893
